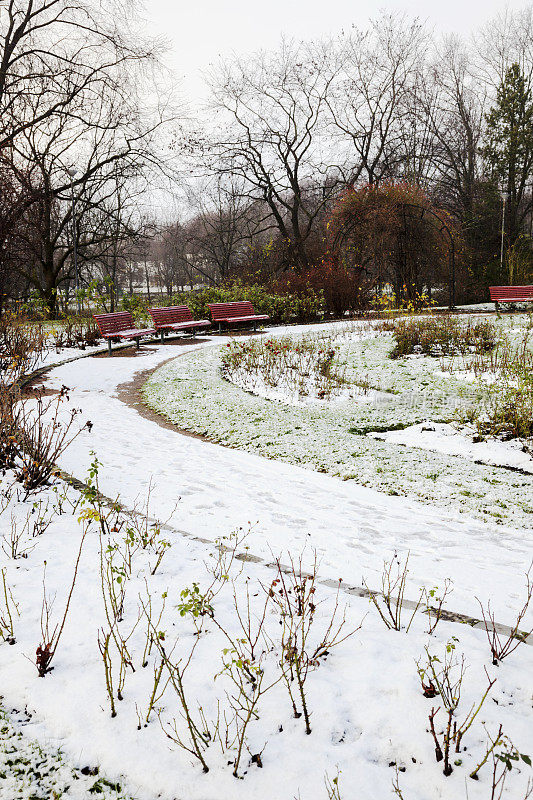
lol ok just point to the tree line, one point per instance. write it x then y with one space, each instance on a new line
373 152
385 107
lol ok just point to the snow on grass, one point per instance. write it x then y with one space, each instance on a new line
461 440
331 437
33 771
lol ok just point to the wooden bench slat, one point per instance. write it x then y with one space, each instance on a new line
241 308
114 322
175 318
246 319
238 311
510 294
195 323
120 325
130 333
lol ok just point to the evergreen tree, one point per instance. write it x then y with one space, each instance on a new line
509 148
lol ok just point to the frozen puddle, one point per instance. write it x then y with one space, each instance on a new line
454 440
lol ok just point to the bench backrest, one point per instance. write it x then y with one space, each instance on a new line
114 323
511 293
220 311
170 314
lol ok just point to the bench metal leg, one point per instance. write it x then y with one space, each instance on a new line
220 327
255 327
109 347
162 336
137 343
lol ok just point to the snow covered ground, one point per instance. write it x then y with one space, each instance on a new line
218 489
54 355
365 722
330 437
32 770
459 440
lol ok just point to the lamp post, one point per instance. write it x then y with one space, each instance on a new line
505 197
72 172
451 252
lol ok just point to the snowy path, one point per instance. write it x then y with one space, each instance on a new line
352 528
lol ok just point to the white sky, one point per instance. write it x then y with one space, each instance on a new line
199 31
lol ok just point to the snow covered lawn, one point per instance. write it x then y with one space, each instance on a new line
37 771
461 440
331 436
218 489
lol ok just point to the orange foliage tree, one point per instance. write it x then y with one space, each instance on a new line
395 235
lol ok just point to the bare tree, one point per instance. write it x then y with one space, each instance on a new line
273 108
106 164
455 106
73 92
371 97
224 227
53 52
119 225
14 195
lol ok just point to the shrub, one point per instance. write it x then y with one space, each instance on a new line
343 289
75 333
21 346
300 306
135 304
43 433
304 366
440 335
391 303
507 410
10 416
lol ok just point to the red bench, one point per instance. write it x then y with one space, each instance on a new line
511 294
242 311
120 325
176 318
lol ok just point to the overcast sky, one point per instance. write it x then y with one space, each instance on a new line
199 31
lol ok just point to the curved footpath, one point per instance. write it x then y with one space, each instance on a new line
213 490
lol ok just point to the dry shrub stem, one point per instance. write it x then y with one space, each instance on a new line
493 743
445 680
43 437
390 601
49 641
8 608
292 593
434 604
333 786
104 640
198 741
502 646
